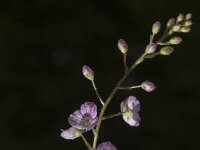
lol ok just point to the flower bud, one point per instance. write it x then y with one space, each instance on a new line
167 50
188 16
188 23
176 27
88 72
123 47
175 40
151 48
185 29
148 86
171 22
156 27
180 18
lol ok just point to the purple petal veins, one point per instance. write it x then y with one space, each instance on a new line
85 118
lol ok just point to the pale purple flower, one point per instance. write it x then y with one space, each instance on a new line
85 118
71 133
88 72
130 108
106 146
148 86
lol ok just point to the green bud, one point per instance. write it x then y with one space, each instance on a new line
188 23
185 29
180 18
188 16
123 47
156 27
167 50
176 27
175 40
171 22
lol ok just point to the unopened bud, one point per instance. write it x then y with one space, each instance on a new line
156 27
185 29
148 86
167 50
171 22
176 27
175 40
151 48
88 72
180 18
188 23
123 47
188 16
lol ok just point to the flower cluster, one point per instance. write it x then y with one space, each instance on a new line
87 117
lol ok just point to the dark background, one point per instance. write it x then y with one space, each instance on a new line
45 43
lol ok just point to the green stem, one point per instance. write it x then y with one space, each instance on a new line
86 142
97 93
112 116
125 64
138 61
130 87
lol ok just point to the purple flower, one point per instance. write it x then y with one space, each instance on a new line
105 146
148 86
71 133
85 118
130 108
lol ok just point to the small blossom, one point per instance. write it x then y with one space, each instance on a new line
148 86
171 22
106 146
85 118
176 27
123 47
175 40
71 133
88 72
151 48
188 16
185 29
130 108
156 27
166 50
180 18
188 23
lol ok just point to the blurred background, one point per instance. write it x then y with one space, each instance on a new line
43 46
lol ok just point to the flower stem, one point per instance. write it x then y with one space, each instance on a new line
134 65
112 116
86 142
138 61
97 93
125 64
130 87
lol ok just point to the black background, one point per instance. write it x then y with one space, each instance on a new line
45 43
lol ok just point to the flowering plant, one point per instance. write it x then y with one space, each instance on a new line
87 118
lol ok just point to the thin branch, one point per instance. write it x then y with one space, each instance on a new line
97 93
129 87
86 142
152 55
125 64
112 116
